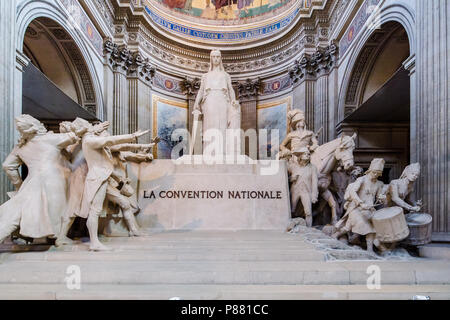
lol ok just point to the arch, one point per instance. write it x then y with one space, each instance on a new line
29 10
399 12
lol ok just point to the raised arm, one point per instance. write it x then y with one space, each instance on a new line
131 147
66 139
11 166
100 142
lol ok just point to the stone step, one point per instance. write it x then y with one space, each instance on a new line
174 254
222 292
220 272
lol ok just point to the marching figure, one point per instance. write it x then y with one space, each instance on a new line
41 198
100 163
304 183
361 197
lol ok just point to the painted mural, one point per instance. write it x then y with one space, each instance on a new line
272 116
168 115
226 9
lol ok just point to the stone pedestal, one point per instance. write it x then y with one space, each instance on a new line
180 196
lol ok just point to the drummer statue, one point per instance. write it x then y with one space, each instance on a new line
401 189
361 198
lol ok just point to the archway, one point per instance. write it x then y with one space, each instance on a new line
53 51
376 101
57 82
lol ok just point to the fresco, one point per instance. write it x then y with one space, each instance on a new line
226 9
272 116
167 116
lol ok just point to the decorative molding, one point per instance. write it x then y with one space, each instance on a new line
360 19
318 63
21 60
141 68
119 58
80 20
249 89
135 29
276 85
190 87
167 83
410 64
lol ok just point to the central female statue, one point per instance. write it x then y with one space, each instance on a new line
217 102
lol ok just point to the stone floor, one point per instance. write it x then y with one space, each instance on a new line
217 265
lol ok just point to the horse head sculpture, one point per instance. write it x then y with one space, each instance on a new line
344 153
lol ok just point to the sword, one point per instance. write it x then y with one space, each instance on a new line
196 114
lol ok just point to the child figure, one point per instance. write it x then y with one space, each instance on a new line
304 183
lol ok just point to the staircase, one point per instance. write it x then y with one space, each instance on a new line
215 265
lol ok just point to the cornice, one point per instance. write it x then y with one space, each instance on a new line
131 28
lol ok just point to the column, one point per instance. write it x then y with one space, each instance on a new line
321 108
431 106
140 76
120 60
303 95
248 98
120 104
8 93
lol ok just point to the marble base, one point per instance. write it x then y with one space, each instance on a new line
174 195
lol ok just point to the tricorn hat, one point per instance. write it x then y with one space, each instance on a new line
377 164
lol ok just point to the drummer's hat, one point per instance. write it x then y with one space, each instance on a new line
377 164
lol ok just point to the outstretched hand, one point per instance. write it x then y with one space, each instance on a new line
156 140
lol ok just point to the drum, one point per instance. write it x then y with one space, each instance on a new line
390 224
419 228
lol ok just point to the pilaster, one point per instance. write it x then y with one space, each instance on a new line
431 105
10 99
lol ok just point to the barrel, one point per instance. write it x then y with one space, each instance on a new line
419 228
390 224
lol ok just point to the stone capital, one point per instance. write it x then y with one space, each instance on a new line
118 57
249 89
190 86
141 68
311 66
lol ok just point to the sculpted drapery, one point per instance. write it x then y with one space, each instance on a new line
216 100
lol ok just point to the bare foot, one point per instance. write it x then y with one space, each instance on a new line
61 241
99 247
137 233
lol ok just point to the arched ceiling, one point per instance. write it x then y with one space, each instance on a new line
224 23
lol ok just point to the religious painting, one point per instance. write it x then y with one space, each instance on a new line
168 115
226 9
272 116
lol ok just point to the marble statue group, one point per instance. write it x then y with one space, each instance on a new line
71 173
77 172
361 205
